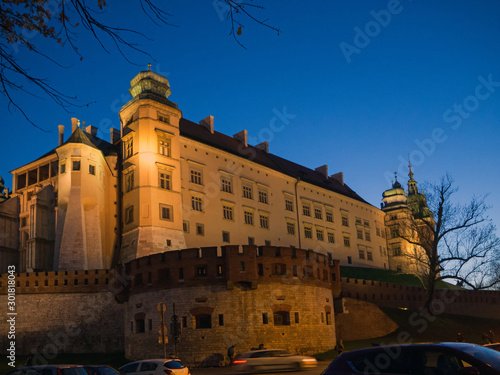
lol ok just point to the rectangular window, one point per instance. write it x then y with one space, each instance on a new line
367 236
128 148
288 204
166 212
201 271
396 250
394 232
347 241
164 146
349 259
308 271
260 269
220 270
248 217
185 226
181 273
226 185
296 318
345 220
263 196
318 213
92 169
377 231
279 269
308 233
369 255
163 118
331 237
165 180
320 234
290 228
227 212
360 234
129 182
197 204
265 319
225 237
200 229
76 165
294 270
242 266
247 192
267 243
264 221
366 223
361 254
221 319
129 215
306 210
63 168
329 216
196 177
251 240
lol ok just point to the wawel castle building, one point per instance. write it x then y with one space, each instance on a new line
246 244
165 183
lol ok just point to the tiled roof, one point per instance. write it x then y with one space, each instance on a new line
224 142
79 136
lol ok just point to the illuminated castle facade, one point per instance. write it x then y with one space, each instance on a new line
165 183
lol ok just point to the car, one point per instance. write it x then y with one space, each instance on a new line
418 359
270 360
101 370
49 370
495 346
155 367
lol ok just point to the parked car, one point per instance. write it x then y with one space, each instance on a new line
421 359
49 370
270 360
155 367
101 370
495 346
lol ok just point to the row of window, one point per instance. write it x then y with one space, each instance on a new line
204 321
76 166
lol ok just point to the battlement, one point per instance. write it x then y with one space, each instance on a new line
480 303
61 281
243 265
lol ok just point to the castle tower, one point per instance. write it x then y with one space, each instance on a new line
86 205
416 200
152 217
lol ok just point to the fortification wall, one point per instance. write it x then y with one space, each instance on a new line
234 295
483 304
241 316
62 312
362 320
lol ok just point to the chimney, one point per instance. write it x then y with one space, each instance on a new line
92 130
115 135
61 134
339 177
74 124
323 170
264 146
208 122
242 137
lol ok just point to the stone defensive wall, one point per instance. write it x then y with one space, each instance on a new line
482 304
234 295
62 312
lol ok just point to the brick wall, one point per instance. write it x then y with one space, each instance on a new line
484 304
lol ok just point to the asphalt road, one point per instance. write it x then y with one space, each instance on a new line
229 371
